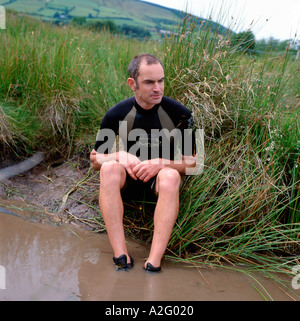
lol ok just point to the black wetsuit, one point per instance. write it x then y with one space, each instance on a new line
168 115
141 133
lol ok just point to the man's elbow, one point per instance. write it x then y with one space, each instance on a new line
95 165
195 165
190 161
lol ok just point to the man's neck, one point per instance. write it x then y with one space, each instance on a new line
144 105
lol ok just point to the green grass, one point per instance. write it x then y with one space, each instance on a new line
63 79
57 83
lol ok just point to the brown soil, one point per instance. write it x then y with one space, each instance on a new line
69 190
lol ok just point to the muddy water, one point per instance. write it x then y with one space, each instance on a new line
63 262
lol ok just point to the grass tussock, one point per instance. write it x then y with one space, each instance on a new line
59 81
244 207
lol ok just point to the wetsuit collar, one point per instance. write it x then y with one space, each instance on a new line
142 110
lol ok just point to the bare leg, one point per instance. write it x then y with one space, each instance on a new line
112 179
166 213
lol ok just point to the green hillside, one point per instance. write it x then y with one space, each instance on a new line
130 12
120 11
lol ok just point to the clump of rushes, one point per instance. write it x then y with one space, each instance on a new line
62 79
6 129
244 207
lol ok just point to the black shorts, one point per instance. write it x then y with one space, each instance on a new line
138 191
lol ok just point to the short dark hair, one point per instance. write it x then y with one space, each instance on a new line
134 66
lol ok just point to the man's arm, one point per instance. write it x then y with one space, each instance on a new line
147 169
125 159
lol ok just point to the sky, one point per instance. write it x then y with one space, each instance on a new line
279 19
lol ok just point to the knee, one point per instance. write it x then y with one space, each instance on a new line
110 173
169 180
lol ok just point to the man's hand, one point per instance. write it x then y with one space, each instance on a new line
125 159
129 161
147 169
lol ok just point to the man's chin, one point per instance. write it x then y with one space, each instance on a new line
157 99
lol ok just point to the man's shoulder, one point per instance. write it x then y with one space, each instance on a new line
120 110
117 113
181 116
127 103
173 106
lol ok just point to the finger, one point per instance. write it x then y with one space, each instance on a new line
141 173
131 173
144 176
137 167
146 179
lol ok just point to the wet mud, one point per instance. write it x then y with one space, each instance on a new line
47 260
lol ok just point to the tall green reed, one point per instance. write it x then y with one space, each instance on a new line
244 207
62 80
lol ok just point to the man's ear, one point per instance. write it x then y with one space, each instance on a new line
131 83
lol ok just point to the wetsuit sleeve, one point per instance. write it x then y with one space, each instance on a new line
182 119
187 128
106 136
106 141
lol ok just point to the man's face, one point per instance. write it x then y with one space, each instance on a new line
149 88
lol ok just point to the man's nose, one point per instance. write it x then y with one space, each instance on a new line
156 87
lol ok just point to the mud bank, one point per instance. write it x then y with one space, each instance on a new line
57 188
